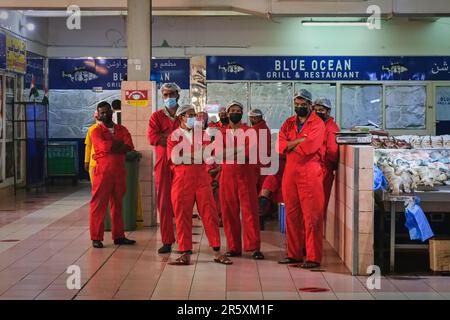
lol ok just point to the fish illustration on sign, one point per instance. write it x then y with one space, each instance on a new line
232 67
395 68
79 75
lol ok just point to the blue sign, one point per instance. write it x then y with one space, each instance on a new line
2 50
327 68
35 67
171 70
86 73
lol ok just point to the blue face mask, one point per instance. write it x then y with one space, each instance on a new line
170 103
190 123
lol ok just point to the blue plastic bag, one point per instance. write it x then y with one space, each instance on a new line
416 222
379 181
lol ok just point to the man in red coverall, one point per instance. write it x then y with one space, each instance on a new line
301 138
271 190
263 147
191 185
160 126
111 142
330 149
237 187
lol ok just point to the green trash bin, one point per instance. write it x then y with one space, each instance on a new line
129 206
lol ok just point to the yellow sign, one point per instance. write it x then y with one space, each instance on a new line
16 54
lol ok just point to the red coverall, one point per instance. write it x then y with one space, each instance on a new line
261 126
238 193
273 182
192 184
160 122
109 183
330 154
303 187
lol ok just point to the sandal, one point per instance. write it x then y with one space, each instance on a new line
183 260
310 265
223 259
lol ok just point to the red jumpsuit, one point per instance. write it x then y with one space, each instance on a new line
160 122
261 127
109 183
273 182
303 187
238 194
330 154
192 184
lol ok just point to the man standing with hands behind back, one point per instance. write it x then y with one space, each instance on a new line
160 126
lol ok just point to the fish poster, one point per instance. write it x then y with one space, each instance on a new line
327 68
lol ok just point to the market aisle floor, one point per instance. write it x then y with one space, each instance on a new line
41 235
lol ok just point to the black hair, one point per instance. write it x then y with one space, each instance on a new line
116 104
103 104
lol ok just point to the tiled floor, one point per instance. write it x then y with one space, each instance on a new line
51 233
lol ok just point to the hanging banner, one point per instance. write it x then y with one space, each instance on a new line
108 73
327 68
2 50
16 54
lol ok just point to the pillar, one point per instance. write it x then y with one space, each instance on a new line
136 113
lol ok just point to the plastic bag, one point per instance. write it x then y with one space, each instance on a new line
416 221
379 180
133 156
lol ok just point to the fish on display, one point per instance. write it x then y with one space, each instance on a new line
232 67
395 68
79 75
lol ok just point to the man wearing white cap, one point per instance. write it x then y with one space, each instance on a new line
161 125
330 149
301 138
191 185
237 190
262 130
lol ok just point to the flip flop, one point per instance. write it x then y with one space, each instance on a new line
223 259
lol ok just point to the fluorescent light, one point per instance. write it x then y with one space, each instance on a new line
334 24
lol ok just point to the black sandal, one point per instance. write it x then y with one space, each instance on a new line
257 255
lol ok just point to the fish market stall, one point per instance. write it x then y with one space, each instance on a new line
353 217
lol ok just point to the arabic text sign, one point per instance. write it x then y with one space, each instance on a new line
171 70
16 54
327 68
136 98
86 73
